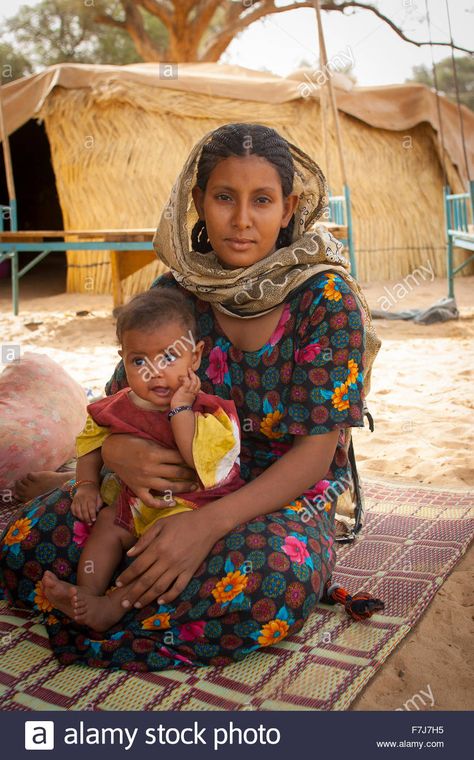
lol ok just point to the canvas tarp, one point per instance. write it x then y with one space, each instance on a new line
393 107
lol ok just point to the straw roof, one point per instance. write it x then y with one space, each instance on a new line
119 137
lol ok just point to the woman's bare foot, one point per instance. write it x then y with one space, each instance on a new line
81 605
36 483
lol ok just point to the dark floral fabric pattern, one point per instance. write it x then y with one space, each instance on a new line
261 581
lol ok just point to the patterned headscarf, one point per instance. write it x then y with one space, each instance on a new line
257 289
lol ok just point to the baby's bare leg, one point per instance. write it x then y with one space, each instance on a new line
86 602
102 553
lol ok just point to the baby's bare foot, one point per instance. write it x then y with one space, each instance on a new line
36 483
81 605
98 612
63 596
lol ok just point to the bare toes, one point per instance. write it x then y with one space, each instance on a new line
48 579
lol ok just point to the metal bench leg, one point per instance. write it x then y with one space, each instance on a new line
350 239
449 268
15 283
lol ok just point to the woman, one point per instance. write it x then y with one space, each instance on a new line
288 337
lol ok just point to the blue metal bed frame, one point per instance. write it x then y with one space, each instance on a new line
340 213
458 210
11 249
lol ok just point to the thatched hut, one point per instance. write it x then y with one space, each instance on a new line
118 137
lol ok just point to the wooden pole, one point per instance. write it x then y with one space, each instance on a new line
6 150
12 202
323 104
332 97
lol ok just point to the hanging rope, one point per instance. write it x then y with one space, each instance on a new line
324 109
438 105
458 101
324 61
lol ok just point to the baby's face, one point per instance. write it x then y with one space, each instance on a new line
157 360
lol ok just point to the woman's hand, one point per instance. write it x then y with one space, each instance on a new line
144 465
167 556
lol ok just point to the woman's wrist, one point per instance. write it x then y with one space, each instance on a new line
109 448
219 518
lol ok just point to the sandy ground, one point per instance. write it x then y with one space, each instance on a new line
421 400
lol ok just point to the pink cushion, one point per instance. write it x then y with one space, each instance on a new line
42 409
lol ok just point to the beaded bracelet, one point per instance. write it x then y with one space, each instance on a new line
178 409
73 488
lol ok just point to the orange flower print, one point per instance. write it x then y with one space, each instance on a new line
40 599
339 398
159 621
18 531
295 506
330 290
271 421
353 370
273 632
229 587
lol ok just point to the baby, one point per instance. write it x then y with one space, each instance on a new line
163 402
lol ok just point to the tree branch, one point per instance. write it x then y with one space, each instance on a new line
144 44
224 37
163 11
205 10
104 18
373 9
236 23
187 23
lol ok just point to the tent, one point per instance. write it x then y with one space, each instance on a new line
118 136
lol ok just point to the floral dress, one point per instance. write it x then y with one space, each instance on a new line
261 581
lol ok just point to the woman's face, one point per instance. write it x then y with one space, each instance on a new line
244 208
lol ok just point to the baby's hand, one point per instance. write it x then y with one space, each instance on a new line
188 390
86 503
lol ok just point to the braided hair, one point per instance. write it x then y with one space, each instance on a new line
244 140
